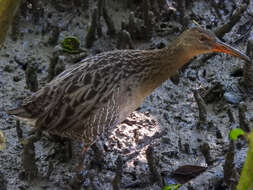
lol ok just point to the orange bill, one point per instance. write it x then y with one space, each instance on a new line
222 47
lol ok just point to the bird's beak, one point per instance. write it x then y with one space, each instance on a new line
222 47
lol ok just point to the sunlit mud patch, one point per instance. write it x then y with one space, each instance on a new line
134 133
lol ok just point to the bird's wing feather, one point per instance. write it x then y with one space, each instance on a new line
74 100
83 109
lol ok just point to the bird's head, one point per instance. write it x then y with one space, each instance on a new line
197 41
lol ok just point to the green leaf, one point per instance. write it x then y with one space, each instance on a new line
7 12
71 44
235 133
171 187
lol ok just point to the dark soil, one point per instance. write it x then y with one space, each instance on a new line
166 132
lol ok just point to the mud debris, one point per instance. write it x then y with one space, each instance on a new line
248 70
175 140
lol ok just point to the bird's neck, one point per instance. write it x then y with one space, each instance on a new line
165 63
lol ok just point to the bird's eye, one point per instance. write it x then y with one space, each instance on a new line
202 38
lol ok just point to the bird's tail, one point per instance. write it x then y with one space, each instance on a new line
22 115
19 112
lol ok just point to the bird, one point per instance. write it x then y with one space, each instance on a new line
89 99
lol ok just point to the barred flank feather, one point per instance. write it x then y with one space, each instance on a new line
19 112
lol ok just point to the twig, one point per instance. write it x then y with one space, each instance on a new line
205 149
91 35
118 176
98 160
152 166
54 36
248 70
31 77
125 40
202 107
19 130
230 115
221 31
52 65
242 117
109 22
245 34
100 7
148 17
49 170
28 157
230 174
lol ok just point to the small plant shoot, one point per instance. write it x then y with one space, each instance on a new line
235 133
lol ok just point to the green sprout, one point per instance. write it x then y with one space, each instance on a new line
171 187
71 44
235 133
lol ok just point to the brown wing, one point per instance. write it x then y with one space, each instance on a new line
79 102
67 82
89 105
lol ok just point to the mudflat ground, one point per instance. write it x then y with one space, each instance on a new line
163 134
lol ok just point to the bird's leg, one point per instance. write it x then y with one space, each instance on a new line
81 169
80 166
79 178
85 149
98 157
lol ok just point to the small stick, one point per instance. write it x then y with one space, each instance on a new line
28 157
131 24
148 16
51 69
98 155
31 77
125 40
242 117
19 130
248 70
201 106
54 36
230 115
152 166
221 31
91 35
118 176
230 174
49 170
109 22
100 6
205 149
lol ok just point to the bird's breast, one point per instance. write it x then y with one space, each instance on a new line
130 103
